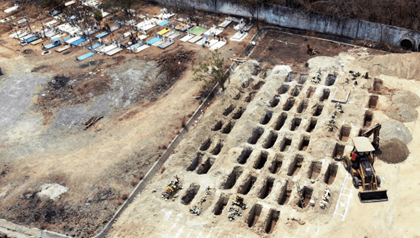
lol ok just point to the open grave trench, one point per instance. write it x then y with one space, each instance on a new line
265 136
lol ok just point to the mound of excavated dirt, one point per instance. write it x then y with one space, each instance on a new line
394 151
402 112
407 97
398 65
6 28
395 129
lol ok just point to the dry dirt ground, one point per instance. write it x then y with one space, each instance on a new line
45 103
266 132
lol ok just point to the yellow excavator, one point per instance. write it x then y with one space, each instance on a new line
359 162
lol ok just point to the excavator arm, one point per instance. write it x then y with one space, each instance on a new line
365 174
375 131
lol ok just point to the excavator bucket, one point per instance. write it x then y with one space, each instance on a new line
373 196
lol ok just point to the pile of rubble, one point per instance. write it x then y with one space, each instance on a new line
196 210
239 201
331 123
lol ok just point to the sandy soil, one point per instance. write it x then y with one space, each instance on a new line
43 141
398 216
345 216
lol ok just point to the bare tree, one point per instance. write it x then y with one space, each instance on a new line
253 7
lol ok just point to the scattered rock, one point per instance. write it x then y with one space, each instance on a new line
394 151
40 68
402 112
27 51
29 195
395 129
105 196
246 82
281 70
52 190
293 219
58 82
298 220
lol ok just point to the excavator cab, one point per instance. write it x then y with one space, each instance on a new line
359 162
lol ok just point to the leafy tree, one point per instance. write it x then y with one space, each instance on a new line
97 14
211 72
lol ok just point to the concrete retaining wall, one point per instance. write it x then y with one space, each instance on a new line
294 18
29 231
